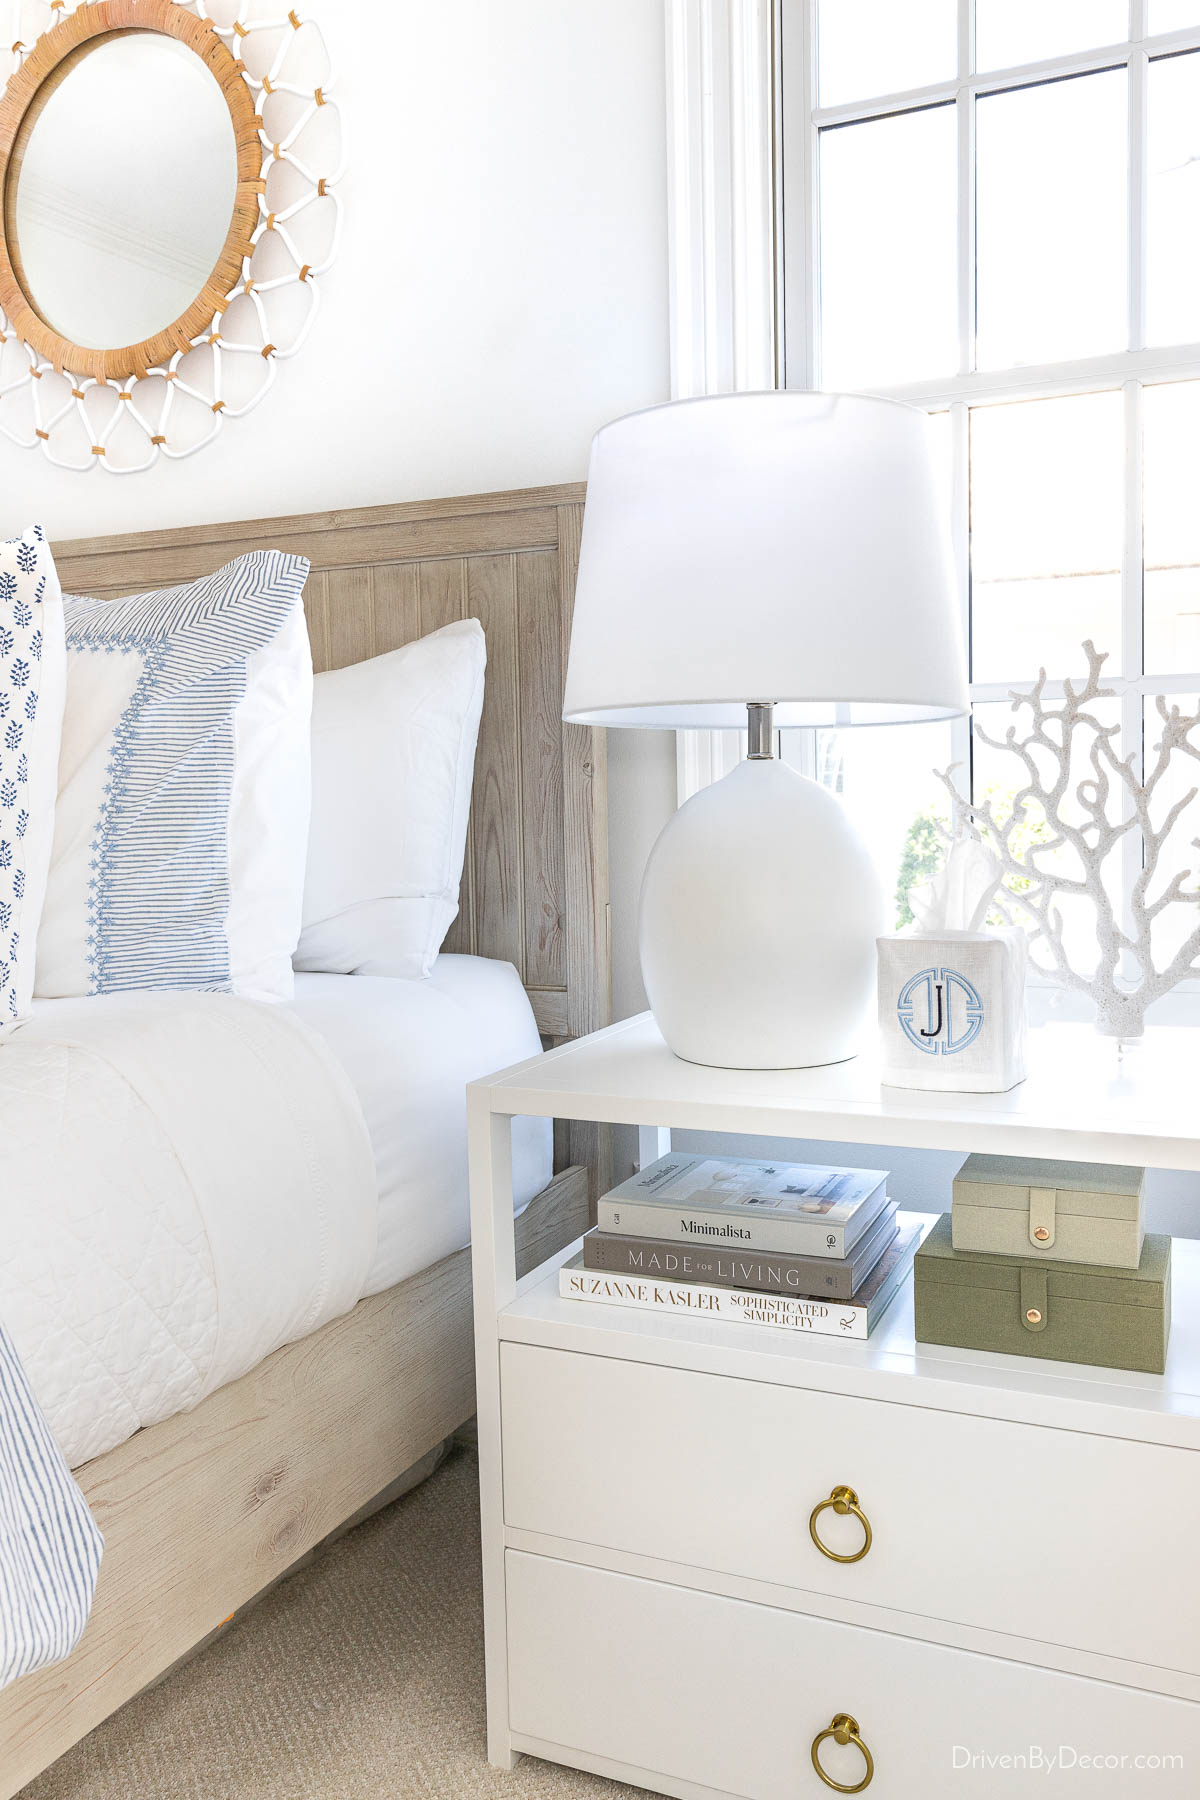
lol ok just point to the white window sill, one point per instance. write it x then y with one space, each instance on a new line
1046 1002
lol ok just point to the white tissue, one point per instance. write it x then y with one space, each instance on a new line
958 898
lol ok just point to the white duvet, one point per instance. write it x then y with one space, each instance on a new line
160 1236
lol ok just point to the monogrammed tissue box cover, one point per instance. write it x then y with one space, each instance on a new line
952 1010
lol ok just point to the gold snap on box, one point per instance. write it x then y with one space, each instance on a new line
1115 1318
1068 1212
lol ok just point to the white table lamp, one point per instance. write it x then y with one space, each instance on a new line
783 553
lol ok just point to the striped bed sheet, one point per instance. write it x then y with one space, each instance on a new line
50 1546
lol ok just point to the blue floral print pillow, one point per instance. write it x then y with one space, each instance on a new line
32 681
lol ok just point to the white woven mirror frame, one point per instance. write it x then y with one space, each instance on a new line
71 418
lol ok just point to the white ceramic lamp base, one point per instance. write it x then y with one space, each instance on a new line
759 913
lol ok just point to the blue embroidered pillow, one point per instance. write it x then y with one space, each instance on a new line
31 705
183 804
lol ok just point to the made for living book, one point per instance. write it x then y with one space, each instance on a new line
777 1272
855 1318
804 1208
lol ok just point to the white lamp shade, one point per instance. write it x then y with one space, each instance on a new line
782 547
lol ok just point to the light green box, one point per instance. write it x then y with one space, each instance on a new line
1115 1318
1069 1212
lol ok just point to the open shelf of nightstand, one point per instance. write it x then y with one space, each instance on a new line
890 1364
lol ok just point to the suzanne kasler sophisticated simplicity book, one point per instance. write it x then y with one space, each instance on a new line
803 1208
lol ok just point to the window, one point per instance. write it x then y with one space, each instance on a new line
992 210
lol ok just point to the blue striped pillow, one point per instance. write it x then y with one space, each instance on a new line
183 802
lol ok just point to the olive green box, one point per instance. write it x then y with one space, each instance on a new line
1070 1312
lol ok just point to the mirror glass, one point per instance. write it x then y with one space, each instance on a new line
124 190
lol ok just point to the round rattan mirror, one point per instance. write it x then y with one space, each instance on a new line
167 187
78 226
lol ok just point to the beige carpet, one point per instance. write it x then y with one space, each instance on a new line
360 1678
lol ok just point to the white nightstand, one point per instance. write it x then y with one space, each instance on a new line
656 1608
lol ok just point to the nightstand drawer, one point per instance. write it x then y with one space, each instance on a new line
686 1687
1056 1536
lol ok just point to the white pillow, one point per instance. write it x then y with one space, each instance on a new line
32 677
183 798
393 752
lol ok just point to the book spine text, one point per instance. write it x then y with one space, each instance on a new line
653 1259
817 1317
801 1237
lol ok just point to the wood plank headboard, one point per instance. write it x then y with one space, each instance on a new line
535 883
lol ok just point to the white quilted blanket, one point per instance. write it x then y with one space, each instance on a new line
186 1183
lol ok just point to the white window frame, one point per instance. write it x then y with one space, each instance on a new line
801 120
723 233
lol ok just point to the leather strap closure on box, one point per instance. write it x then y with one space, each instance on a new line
1034 1304
1041 1217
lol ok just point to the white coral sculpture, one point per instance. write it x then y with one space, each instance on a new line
1079 819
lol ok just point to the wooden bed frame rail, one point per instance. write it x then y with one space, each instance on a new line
202 1512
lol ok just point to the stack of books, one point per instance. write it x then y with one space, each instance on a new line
803 1247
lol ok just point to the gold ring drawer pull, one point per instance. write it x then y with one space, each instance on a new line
843 1500
843 1730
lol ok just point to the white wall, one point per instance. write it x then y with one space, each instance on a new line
501 293
502 287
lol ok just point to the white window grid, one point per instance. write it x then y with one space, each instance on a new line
801 120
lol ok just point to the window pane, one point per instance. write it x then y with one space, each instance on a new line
888 785
1008 32
1178 853
869 47
1172 15
1046 533
888 306
1173 195
1171 483
1050 200
1000 776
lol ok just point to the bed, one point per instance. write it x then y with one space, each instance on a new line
205 1508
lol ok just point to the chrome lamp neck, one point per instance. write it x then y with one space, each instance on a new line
760 724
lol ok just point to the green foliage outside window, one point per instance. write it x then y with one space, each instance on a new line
928 838
923 855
